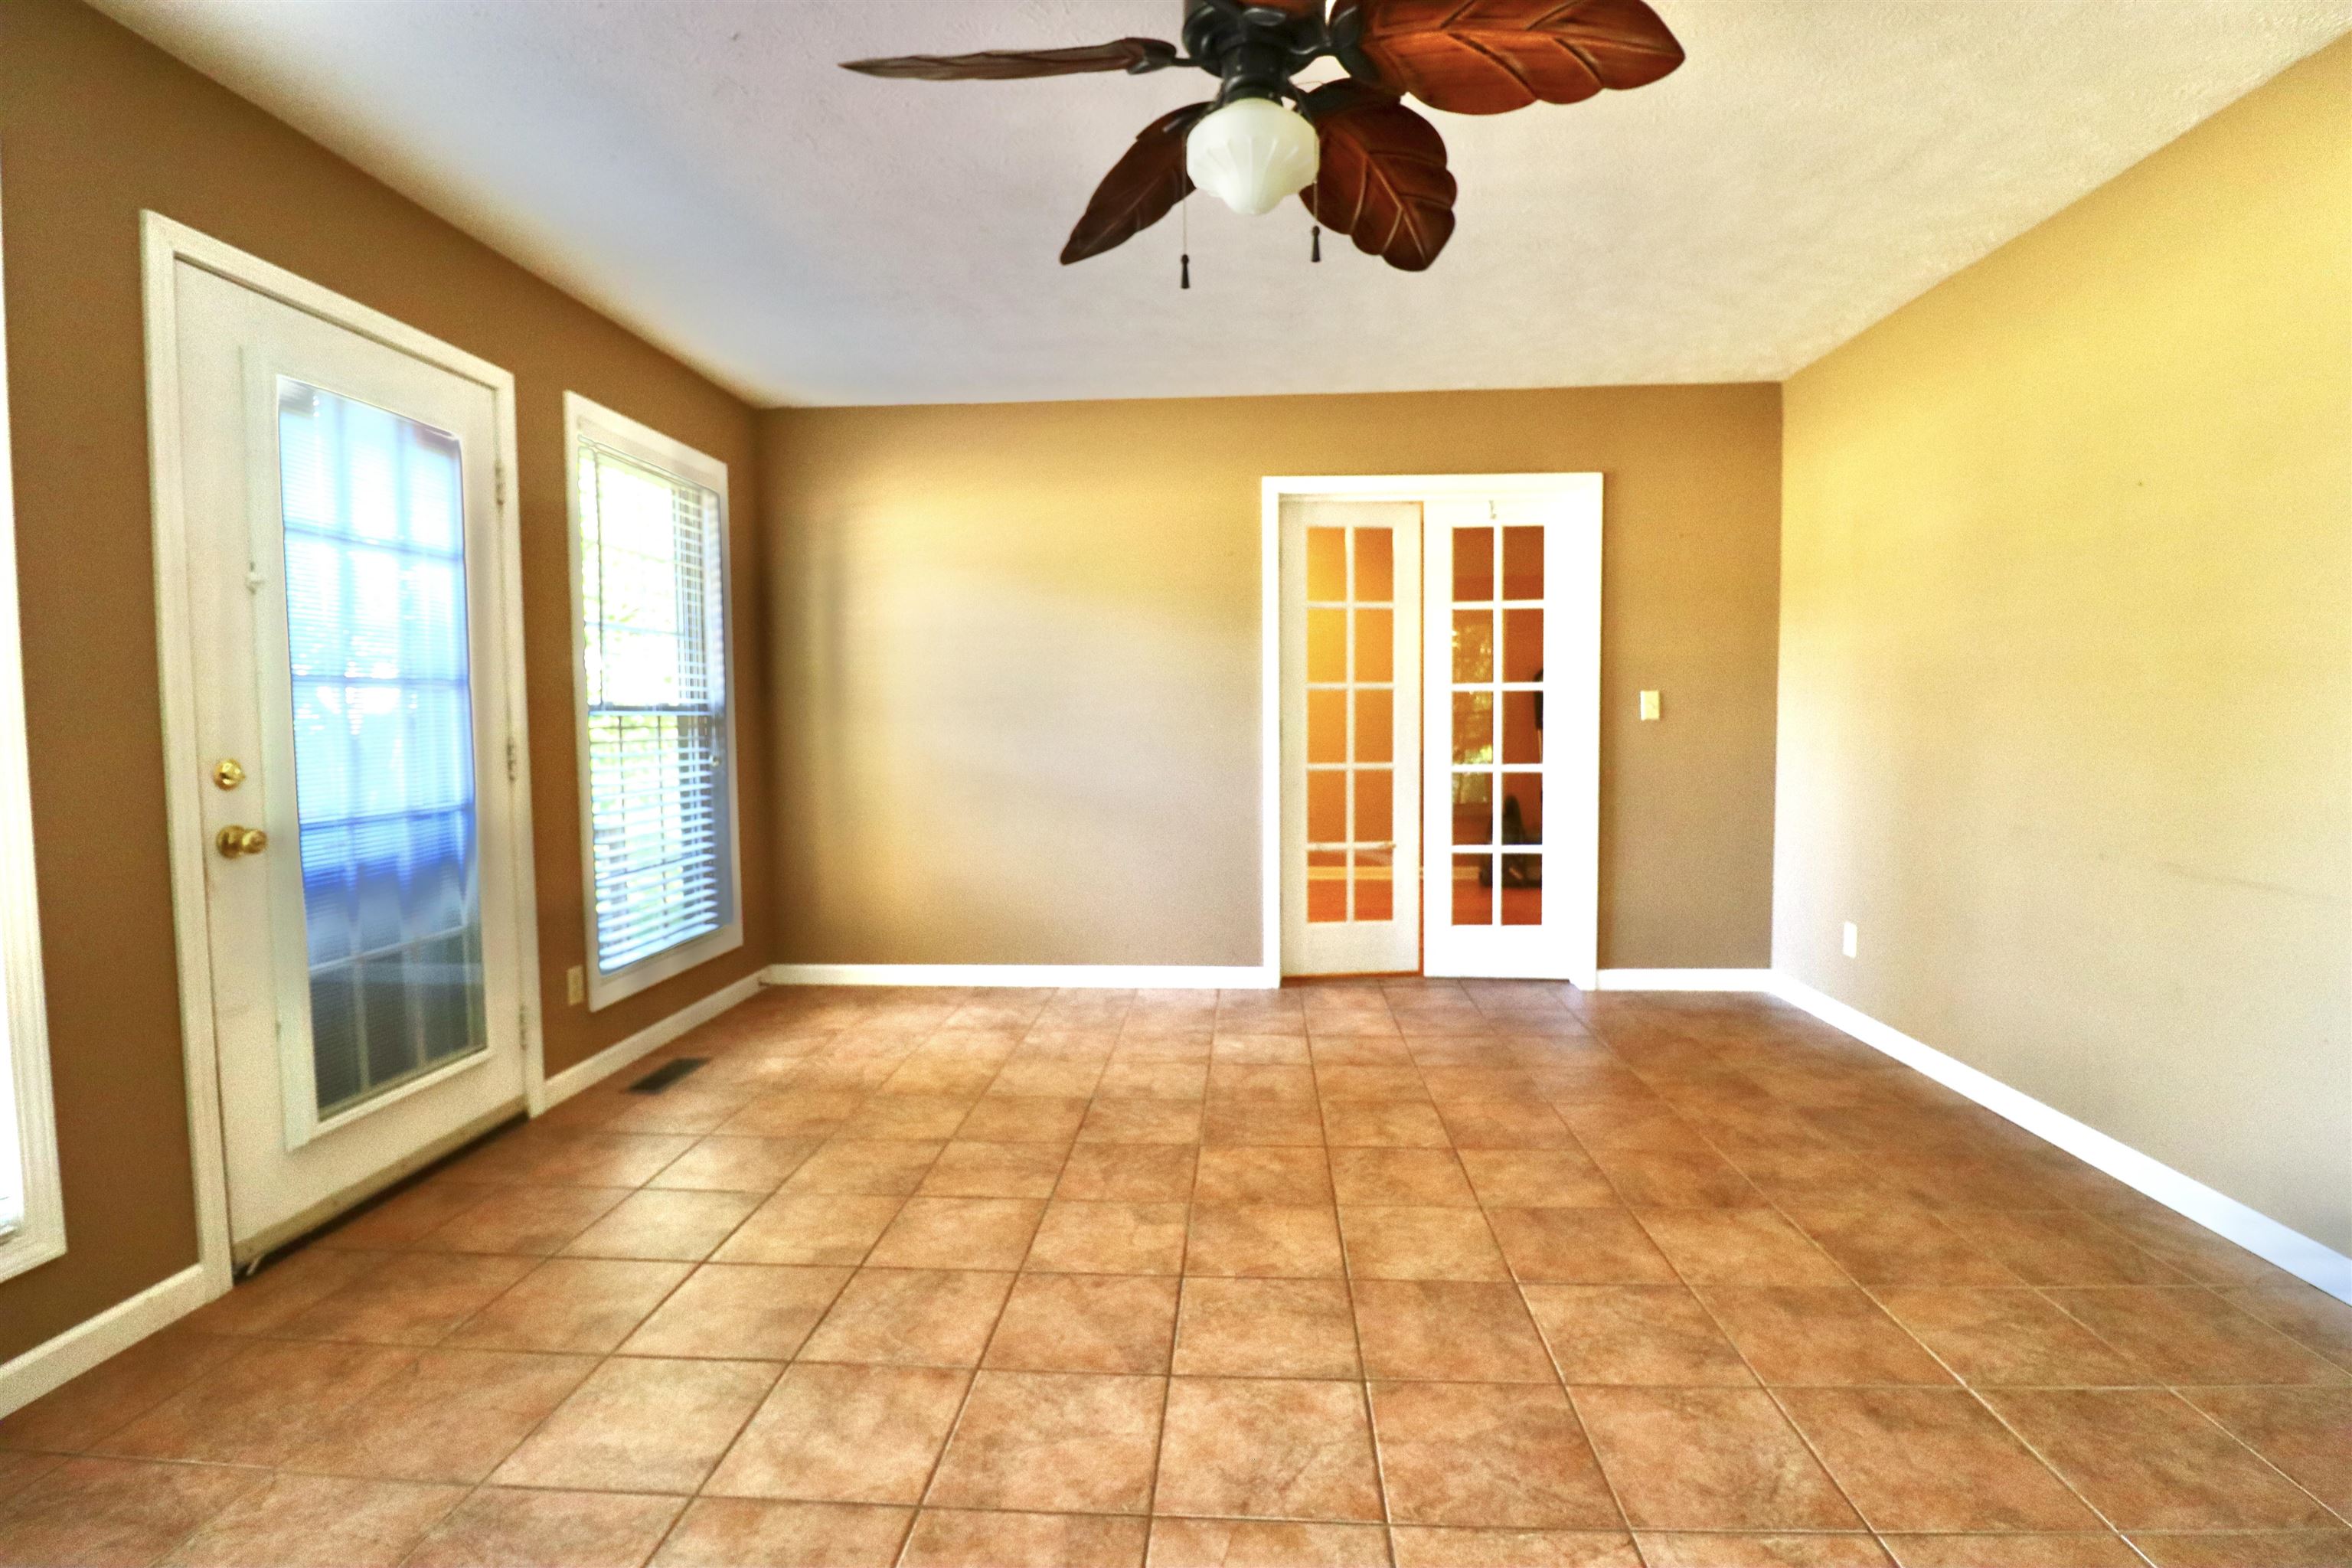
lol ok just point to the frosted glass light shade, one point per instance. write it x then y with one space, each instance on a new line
1251 154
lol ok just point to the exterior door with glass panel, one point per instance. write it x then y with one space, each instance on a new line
1350 658
1511 705
349 607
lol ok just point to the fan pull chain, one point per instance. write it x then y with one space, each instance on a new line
1314 244
1184 263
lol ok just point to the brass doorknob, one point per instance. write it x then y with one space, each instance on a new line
236 841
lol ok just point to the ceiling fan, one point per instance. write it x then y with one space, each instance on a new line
1361 161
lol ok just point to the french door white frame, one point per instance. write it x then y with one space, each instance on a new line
1573 695
163 245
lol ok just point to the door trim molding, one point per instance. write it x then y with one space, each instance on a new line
164 243
1072 976
1272 491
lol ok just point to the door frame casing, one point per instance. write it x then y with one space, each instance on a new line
163 245
1578 804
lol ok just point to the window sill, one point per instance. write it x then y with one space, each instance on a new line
604 989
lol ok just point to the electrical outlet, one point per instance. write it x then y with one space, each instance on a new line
1852 939
575 983
1650 707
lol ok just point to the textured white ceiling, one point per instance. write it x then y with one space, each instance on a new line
699 170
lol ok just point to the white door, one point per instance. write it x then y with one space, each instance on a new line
1512 712
1350 662
349 608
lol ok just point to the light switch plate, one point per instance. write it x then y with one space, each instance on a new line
1852 940
1649 705
575 985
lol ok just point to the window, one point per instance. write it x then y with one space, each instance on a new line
32 1210
656 723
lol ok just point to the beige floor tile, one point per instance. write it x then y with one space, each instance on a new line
1635 1335
641 1424
502 1527
810 1228
973 1170
1253 1175
1267 1447
297 1522
736 1164
1086 1323
1709 1458
1420 1244
114 1511
1451 1331
1265 1240
448 1415
958 1538
845 1433
959 1233
741 1312
911 1317
1267 1543
584 1304
1129 1173
1425 1178
737 1532
1053 1442
1487 1455
1109 1239
681 1225
1821 1334
1266 1327
1927 1460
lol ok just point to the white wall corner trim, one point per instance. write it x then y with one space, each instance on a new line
1685 980
646 1041
57 1361
1096 976
2259 1233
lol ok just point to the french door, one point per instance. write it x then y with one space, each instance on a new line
347 604
1511 700
1440 764
1350 575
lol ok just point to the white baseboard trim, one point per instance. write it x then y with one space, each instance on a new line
1684 980
646 1041
91 1340
2259 1233
1113 976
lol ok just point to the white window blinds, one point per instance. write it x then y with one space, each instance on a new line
652 593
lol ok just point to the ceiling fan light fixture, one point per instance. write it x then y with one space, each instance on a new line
1251 154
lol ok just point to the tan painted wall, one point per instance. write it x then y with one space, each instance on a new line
1017 663
2066 658
95 125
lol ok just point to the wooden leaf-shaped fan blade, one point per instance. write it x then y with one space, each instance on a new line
1382 181
1132 55
1141 188
1484 56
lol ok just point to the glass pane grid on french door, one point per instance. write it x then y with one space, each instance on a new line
1496 757
1350 724
372 513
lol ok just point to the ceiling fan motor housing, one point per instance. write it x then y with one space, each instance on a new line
1253 50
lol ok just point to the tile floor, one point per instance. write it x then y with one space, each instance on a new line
1423 1273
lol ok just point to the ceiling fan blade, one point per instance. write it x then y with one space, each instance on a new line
1484 56
1134 55
1383 181
1148 179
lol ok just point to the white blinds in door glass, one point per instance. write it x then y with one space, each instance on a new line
383 739
652 593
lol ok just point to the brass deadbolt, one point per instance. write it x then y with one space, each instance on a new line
236 841
228 772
